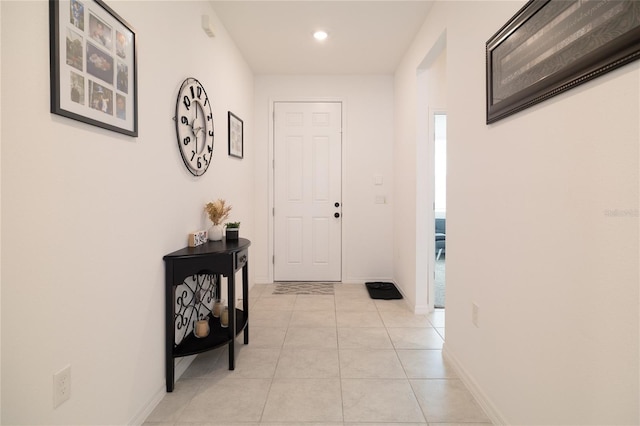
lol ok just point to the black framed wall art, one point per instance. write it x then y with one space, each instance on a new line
93 65
551 46
236 135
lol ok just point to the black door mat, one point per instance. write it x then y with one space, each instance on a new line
381 290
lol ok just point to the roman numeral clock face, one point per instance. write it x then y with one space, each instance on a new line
194 126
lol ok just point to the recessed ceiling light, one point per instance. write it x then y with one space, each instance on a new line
320 35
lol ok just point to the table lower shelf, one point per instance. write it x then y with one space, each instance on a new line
218 336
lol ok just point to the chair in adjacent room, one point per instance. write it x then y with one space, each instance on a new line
440 237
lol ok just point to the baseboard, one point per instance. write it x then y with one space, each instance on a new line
421 309
406 301
416 309
362 280
182 365
352 281
489 408
147 409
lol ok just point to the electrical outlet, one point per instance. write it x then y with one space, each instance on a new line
474 314
61 386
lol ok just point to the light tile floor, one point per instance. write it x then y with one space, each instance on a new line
328 360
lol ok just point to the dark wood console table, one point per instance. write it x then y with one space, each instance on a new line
213 259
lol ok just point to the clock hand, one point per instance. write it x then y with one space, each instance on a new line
196 130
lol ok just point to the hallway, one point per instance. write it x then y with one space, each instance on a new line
325 359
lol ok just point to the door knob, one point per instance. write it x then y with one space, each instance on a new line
336 214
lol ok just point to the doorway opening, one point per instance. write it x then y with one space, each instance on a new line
440 206
432 101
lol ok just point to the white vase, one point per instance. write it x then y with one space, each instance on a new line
215 233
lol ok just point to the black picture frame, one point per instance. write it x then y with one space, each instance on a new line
550 46
236 135
93 61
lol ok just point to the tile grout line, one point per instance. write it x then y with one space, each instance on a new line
335 308
264 406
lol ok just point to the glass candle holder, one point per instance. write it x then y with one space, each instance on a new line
217 307
224 317
201 328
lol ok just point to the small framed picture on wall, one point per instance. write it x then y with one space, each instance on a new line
236 136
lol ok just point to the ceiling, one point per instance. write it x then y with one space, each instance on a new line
365 37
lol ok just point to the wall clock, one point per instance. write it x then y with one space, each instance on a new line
194 126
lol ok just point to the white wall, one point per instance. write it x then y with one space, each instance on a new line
367 151
87 214
533 236
0 228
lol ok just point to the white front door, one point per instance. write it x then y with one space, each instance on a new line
307 191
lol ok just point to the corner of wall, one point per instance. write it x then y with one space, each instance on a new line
0 229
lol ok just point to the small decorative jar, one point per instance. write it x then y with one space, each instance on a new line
217 307
201 328
224 317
